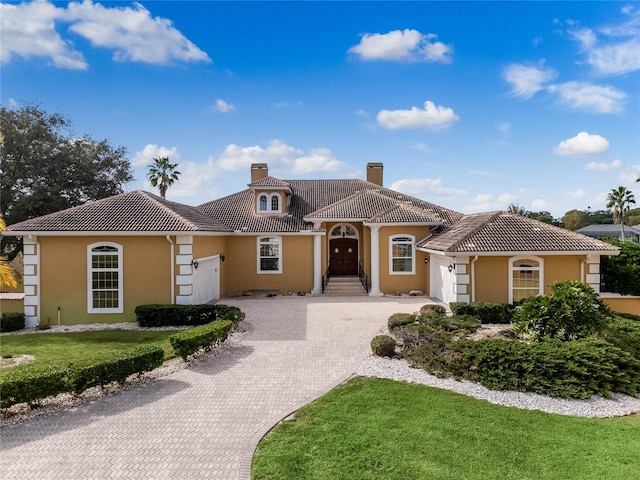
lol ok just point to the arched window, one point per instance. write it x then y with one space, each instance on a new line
526 278
269 255
401 255
262 203
104 278
269 203
344 230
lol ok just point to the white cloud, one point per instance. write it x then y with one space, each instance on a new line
507 198
431 116
28 30
197 180
587 96
223 107
133 33
504 127
579 193
483 198
485 202
426 188
603 167
539 204
150 151
362 113
280 157
582 144
527 80
618 54
406 45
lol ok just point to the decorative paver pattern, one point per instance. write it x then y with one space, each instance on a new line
205 421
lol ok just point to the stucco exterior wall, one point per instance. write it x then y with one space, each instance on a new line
241 265
11 306
63 277
623 304
402 283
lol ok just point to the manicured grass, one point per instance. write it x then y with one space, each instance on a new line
384 430
60 349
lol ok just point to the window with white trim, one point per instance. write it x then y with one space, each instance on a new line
269 203
104 278
526 278
401 255
269 255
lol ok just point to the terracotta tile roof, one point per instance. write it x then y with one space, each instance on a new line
506 232
135 211
270 182
320 199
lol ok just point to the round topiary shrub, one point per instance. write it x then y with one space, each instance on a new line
432 309
400 319
383 346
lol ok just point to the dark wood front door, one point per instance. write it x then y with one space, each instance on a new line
343 258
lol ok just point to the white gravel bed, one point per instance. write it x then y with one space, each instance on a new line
85 327
617 406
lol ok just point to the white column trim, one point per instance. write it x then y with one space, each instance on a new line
317 264
31 257
375 262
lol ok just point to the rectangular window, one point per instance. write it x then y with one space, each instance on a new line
269 255
105 279
401 255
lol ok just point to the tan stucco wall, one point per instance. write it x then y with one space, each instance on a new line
63 277
624 304
390 283
11 306
492 275
241 265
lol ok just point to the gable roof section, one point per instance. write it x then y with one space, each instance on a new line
326 199
605 229
135 211
496 232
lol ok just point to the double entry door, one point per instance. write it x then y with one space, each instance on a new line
343 256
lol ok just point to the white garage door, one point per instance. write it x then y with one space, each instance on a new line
443 282
206 280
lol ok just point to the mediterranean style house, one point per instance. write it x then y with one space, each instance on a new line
98 261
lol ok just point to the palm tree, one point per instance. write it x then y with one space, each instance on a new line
162 174
620 199
7 279
517 209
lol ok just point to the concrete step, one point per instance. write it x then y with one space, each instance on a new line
344 287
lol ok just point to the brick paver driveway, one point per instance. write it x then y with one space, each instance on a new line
205 421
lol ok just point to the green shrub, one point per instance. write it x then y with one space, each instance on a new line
467 323
624 334
11 322
577 369
154 315
435 355
117 368
400 319
486 312
383 346
190 341
628 316
432 309
26 386
573 311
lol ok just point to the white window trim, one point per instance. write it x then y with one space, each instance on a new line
269 272
540 261
343 227
269 200
90 308
413 254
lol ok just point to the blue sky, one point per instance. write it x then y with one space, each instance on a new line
470 105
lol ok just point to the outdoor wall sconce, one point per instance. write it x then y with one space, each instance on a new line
426 261
195 263
451 268
222 257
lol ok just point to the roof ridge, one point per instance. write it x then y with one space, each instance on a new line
162 203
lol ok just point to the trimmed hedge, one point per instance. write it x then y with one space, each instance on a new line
155 315
486 312
30 385
93 373
11 322
431 309
577 369
190 341
400 319
383 346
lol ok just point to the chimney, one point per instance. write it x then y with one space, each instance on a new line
374 173
259 171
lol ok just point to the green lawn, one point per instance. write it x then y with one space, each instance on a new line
380 429
60 349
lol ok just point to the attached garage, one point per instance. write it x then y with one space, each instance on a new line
443 281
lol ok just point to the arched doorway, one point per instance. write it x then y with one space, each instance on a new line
343 250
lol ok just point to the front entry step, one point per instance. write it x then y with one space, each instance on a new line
344 286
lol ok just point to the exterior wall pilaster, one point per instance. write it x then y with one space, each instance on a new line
317 262
375 262
31 280
184 270
592 274
462 279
